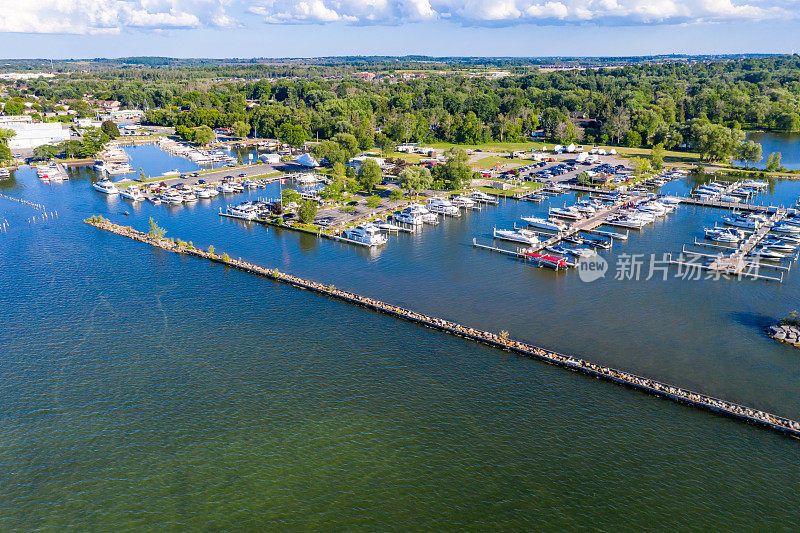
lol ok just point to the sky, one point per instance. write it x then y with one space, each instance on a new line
63 29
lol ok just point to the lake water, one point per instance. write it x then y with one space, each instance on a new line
144 390
788 144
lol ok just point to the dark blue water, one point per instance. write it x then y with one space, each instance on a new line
788 144
146 390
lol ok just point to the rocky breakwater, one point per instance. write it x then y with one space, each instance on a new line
785 333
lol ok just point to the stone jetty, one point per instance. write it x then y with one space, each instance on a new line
696 399
785 333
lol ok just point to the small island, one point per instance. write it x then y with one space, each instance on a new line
787 330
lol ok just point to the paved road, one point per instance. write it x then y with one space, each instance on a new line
217 175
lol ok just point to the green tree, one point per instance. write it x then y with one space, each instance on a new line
241 128
5 136
409 179
633 139
373 201
749 152
640 166
14 108
292 134
307 211
369 175
155 231
109 128
455 172
774 162
203 135
657 157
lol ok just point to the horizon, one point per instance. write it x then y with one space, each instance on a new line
453 28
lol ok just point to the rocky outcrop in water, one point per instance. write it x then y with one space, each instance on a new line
785 333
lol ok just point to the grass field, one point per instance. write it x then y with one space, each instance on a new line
408 158
494 146
688 158
489 162
524 187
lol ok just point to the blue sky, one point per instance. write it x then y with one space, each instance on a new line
281 28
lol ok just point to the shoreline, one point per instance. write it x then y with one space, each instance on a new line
761 418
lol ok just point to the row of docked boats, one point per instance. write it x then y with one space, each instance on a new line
418 214
51 172
781 241
729 192
756 221
201 157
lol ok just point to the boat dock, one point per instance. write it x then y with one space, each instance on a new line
659 388
733 260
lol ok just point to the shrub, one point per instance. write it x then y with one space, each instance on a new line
793 319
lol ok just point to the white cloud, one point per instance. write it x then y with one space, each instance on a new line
509 12
109 16
113 16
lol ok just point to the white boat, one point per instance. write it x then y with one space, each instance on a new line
722 235
133 194
367 234
543 223
171 196
481 196
566 212
730 198
421 210
463 201
203 193
246 211
407 217
754 184
779 245
640 215
189 197
767 253
388 226
584 253
175 172
226 188
741 222
630 221
786 228
654 208
248 184
106 187
587 206
443 206
520 235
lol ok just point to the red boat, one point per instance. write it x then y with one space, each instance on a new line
550 261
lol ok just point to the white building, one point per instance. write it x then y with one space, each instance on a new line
32 135
15 119
357 161
272 159
87 122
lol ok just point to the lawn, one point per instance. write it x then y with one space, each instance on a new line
489 162
687 158
524 187
495 146
408 158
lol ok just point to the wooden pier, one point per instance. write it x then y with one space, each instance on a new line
659 388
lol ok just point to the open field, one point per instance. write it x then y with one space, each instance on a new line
488 163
